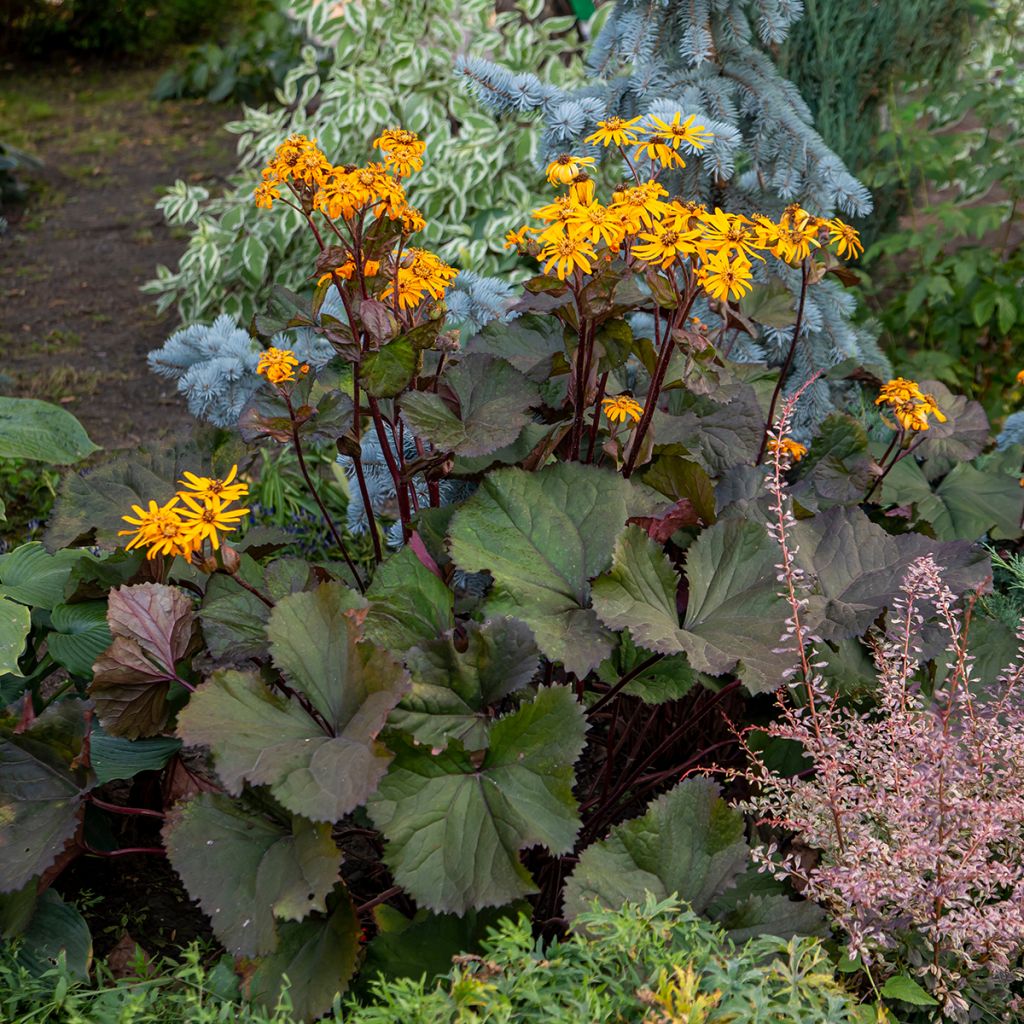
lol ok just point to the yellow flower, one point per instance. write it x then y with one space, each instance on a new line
909 404
562 170
202 520
640 205
621 408
420 273
788 447
565 255
558 213
338 196
657 148
730 232
158 528
403 150
597 223
207 488
723 278
615 131
664 243
899 389
277 365
797 233
347 269
847 239
581 191
266 192
696 136
517 239
1020 377
412 220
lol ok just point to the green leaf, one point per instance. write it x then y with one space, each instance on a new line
757 904
837 468
56 927
690 842
234 621
40 802
670 678
961 438
493 407
735 618
15 623
387 372
248 870
457 678
114 757
455 823
30 429
901 987
318 957
320 769
543 536
80 635
721 432
409 604
529 343
152 625
771 304
639 593
30 575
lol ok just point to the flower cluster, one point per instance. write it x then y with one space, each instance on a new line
645 225
197 513
909 404
278 365
367 210
793 450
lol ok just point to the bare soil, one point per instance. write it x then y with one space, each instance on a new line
74 328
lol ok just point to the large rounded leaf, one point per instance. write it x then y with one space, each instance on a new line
30 575
80 635
55 929
314 741
543 536
30 429
455 822
15 623
248 870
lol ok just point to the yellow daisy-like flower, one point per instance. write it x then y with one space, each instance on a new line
730 232
265 193
412 220
517 239
615 131
641 205
696 136
347 269
621 408
403 150
663 243
723 278
897 390
566 255
206 488
563 169
159 528
421 273
911 407
203 519
1020 377
597 223
790 448
797 234
277 365
658 149
846 238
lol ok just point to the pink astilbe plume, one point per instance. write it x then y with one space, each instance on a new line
914 807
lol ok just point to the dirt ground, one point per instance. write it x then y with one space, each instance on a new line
74 327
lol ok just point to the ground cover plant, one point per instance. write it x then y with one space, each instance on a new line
513 684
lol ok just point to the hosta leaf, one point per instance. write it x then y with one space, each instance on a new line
30 429
31 576
318 956
857 569
15 623
152 627
409 604
248 870
639 593
114 757
455 823
456 678
40 796
690 842
493 407
735 618
543 536
322 764
56 928
80 635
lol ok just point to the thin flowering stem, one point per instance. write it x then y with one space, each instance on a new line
328 519
784 372
885 470
393 467
246 585
596 422
357 463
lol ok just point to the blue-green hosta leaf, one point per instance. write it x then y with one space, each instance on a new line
456 679
31 576
318 956
114 757
493 398
80 635
249 871
15 623
455 822
690 842
320 765
30 429
856 568
55 928
409 604
735 618
543 536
